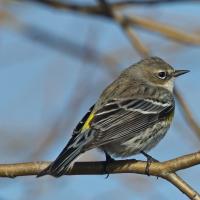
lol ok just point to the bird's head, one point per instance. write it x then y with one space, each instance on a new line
157 72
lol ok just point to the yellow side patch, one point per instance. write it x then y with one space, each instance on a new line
169 117
87 122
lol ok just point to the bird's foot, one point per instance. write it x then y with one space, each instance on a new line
150 159
109 160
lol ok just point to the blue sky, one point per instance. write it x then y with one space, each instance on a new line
39 83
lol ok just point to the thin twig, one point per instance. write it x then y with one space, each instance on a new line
165 30
135 41
95 9
151 2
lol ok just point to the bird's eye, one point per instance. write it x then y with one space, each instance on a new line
162 75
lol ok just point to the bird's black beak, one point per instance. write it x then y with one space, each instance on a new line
180 72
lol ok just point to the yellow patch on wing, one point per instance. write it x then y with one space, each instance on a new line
169 117
87 122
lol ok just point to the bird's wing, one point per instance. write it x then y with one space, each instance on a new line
123 119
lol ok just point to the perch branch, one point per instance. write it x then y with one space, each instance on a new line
165 170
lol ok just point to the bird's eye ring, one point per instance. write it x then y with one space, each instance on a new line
162 75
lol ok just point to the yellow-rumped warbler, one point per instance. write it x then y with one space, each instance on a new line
131 116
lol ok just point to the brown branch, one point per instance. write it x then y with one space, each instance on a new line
151 25
164 170
151 2
174 179
95 9
165 30
84 9
135 41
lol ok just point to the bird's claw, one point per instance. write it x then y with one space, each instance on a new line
150 159
109 160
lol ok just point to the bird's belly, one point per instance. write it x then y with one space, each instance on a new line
141 142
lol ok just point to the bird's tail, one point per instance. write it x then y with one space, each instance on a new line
63 162
74 148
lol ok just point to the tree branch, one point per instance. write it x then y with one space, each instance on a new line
151 2
135 41
151 25
90 9
174 179
165 30
164 170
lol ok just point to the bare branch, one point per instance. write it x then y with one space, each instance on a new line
182 186
151 25
135 41
165 30
159 169
151 2
98 10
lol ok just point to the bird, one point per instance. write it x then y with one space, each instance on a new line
131 116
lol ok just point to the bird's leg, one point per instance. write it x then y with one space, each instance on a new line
150 159
109 159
